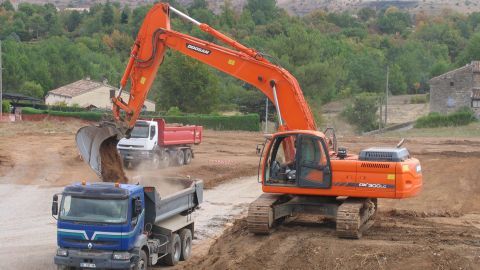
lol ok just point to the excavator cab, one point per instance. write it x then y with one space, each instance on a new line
300 160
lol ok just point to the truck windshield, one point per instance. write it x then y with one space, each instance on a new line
140 130
94 210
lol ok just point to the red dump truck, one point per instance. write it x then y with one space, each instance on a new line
159 143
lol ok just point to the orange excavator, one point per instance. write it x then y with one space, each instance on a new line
301 170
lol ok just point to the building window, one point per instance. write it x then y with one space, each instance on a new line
476 103
452 83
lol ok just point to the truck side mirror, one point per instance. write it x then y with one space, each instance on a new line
55 205
260 148
138 207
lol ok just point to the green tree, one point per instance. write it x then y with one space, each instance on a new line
31 89
73 20
7 5
107 14
472 50
394 22
362 112
262 11
125 14
366 14
397 83
188 85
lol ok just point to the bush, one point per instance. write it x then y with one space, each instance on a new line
6 106
460 118
419 99
363 112
249 122
91 116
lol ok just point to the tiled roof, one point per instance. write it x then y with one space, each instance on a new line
474 65
77 88
476 93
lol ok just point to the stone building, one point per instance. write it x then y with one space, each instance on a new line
456 89
87 94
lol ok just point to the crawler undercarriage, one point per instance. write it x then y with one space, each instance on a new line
353 215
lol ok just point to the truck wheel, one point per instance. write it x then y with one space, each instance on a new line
142 262
179 158
159 161
63 267
186 238
173 257
188 156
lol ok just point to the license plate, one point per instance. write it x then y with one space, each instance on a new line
88 265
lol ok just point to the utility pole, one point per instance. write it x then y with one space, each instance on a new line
386 96
266 115
1 83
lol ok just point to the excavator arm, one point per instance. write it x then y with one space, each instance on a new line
243 63
154 38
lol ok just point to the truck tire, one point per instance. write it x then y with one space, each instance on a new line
173 257
186 238
63 267
188 156
142 263
179 158
160 160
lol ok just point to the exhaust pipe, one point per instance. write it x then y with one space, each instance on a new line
98 148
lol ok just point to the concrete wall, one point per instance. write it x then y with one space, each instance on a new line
99 97
53 99
447 98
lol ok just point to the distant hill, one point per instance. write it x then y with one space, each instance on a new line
303 7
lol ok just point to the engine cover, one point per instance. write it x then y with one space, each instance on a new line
384 154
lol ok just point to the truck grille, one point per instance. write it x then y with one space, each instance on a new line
95 242
132 146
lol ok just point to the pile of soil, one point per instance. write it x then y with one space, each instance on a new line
111 167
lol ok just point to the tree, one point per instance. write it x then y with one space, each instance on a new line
7 5
107 14
472 50
366 14
262 11
188 85
394 22
31 89
73 20
363 111
125 14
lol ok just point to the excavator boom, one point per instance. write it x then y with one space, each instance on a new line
239 61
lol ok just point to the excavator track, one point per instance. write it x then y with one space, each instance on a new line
260 217
355 216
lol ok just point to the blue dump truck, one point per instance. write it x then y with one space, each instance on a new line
123 226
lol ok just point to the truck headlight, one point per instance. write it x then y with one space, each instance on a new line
419 168
62 252
121 256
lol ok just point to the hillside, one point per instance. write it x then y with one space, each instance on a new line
303 7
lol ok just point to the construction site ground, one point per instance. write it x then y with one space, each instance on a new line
439 229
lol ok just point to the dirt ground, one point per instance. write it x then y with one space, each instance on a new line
439 229
44 153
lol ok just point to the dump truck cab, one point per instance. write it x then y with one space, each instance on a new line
123 226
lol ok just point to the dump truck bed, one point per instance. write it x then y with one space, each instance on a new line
185 200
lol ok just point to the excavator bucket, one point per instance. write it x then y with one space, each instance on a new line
97 145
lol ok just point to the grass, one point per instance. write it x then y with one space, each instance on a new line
468 131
